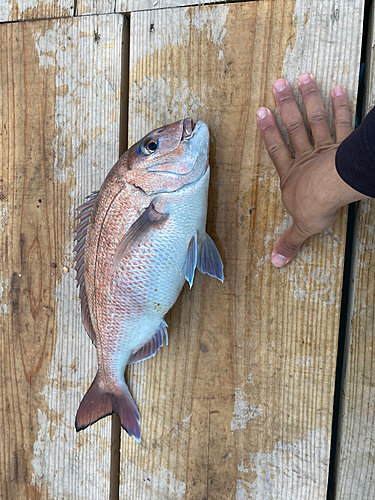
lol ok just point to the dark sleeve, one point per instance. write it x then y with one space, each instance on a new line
355 157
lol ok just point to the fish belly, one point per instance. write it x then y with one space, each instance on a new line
148 280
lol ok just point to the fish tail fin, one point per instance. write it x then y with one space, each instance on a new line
97 403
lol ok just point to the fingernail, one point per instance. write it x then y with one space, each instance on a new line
305 78
261 113
278 260
337 91
279 85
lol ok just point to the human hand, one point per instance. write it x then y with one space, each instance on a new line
311 189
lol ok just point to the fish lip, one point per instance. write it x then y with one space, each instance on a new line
188 127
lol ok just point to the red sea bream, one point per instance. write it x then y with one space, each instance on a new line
139 238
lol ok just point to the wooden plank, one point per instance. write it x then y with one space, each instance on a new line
17 10
59 108
239 405
355 469
85 7
136 5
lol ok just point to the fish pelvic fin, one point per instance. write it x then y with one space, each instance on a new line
202 254
190 262
151 347
97 403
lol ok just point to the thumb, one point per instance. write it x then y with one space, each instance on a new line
287 246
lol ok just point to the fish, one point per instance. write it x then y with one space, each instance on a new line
139 238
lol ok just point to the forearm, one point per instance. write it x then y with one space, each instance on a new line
355 157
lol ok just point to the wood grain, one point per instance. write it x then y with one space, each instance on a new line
59 108
17 10
85 7
239 405
355 468
88 7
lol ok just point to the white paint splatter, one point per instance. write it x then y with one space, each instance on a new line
307 282
319 285
58 449
357 450
3 217
28 4
147 481
319 36
243 411
276 232
365 206
5 8
213 20
173 27
283 473
3 288
81 91
158 103
20 6
187 419
86 146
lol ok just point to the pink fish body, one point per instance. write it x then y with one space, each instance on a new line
139 238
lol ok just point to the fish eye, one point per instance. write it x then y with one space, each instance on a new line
149 146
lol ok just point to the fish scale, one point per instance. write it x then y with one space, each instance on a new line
139 238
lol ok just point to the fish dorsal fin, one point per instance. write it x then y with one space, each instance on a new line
209 260
81 231
138 231
148 350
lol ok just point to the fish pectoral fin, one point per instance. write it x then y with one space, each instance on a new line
138 231
190 262
209 260
149 350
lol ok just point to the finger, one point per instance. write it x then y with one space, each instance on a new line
291 116
287 246
275 145
343 114
316 114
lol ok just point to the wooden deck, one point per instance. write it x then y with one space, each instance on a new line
240 404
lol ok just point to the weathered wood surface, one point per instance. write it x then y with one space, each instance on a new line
239 405
85 7
59 109
16 10
356 471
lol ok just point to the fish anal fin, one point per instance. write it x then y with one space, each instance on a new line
81 230
149 349
209 260
97 403
138 231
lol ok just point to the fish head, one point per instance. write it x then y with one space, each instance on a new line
170 157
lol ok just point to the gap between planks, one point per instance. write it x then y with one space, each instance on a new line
337 486
123 146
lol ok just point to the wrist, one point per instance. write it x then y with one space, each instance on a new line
336 192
